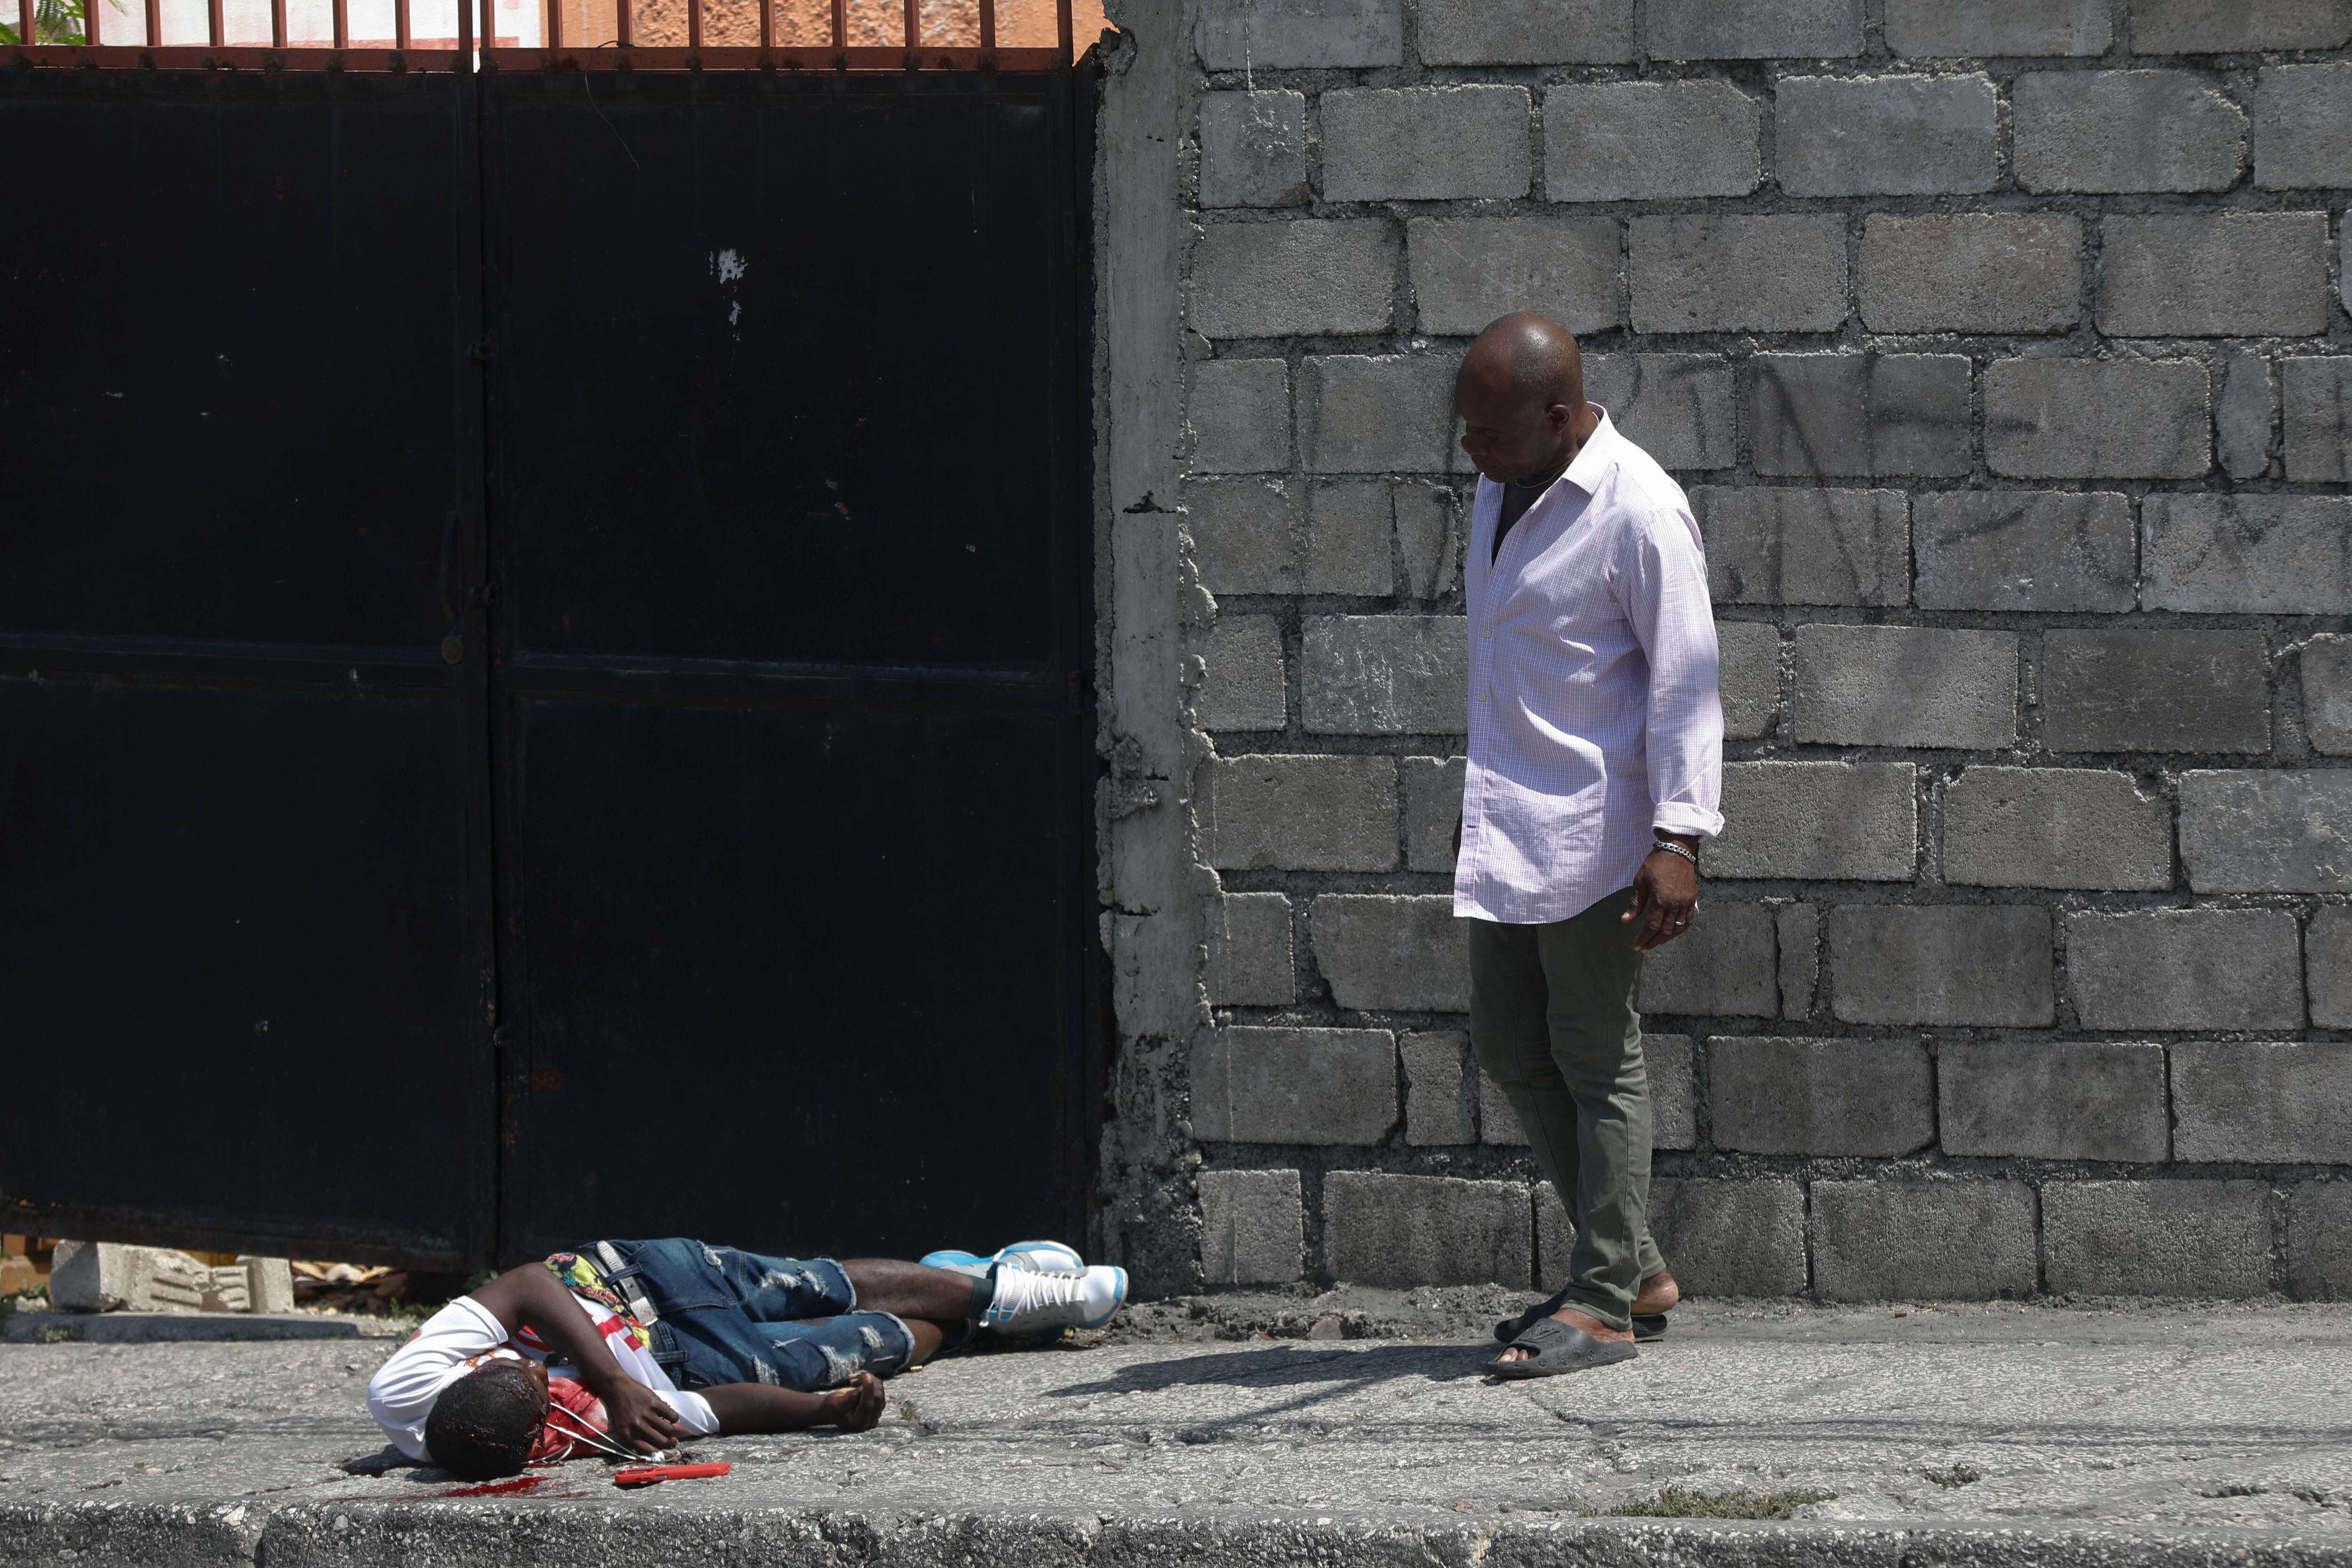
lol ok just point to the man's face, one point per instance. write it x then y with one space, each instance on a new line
1508 436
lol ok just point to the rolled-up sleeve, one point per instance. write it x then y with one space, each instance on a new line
1662 584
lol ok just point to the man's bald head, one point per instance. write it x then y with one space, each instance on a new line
1532 355
1521 394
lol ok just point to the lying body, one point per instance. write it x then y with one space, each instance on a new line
630 1347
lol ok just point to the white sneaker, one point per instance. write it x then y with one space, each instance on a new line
1042 1258
1028 1303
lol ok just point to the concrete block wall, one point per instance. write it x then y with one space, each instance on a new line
2002 348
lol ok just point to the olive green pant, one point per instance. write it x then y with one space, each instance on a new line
1553 1022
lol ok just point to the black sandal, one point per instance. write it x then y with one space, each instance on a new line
1648 1327
1558 1347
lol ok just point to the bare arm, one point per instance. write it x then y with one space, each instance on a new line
757 1407
531 1297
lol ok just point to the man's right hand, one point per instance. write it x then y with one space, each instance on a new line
639 1417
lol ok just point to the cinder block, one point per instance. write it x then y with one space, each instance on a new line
2232 26
2214 275
1469 271
2303 127
1971 272
2082 419
1314 34
1429 540
1298 276
2327 666
1246 535
1381 1229
1906 685
2319 1241
1385 675
1441 1089
108 1276
1293 1086
2266 832
2269 1101
1349 527
2318 419
1432 809
1240 415
1673 1090
1889 136
1498 1124
1243 686
1253 148
1767 545
1753 30
2025 549
2261 554
1964 28
1376 414
1777 272
2328 966
1923 1241
1533 33
1724 966
1749 677
2242 425
1253 1227
1731 1239
2155 690
1425 144
1801 958
1679 408
1392 952
1299 814
2185 969
2038 1100
2125 130
2156 1239
1647 141
1250 959
1817 821
1948 965
1782 1096
1815 415
2055 828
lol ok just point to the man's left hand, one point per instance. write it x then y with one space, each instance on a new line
1665 899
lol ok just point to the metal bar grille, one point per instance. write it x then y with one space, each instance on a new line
624 25
25 33
694 23
987 27
277 24
343 23
399 25
914 28
154 22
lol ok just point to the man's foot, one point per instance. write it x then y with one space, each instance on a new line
1575 1317
1028 1303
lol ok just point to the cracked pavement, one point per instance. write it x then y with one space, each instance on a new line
2230 1419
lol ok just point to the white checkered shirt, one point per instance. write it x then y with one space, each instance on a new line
1593 713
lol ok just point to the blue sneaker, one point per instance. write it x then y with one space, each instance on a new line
1034 1256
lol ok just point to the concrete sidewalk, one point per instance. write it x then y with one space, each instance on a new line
2218 1436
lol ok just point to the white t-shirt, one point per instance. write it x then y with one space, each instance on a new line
463 1334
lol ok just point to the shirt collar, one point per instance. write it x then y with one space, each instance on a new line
1596 457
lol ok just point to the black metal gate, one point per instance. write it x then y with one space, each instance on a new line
544 622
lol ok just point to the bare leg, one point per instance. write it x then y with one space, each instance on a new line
909 1289
1659 1293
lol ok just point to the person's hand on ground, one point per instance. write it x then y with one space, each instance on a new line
640 1419
856 1405
1665 899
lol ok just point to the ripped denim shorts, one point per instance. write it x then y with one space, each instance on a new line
720 1315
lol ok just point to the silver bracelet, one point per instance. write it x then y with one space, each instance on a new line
1671 847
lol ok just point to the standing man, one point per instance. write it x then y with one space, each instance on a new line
1595 769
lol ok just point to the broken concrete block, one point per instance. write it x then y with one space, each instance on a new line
106 1277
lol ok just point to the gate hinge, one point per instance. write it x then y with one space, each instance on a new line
482 352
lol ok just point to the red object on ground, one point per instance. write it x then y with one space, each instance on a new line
648 1475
